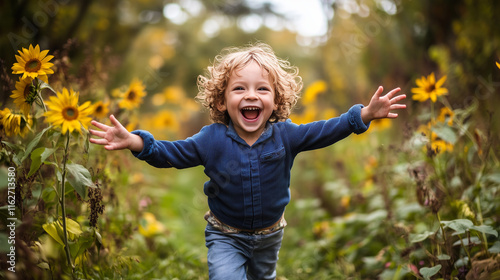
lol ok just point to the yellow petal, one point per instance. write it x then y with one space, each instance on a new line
421 82
43 53
418 90
441 91
433 97
36 51
441 81
431 79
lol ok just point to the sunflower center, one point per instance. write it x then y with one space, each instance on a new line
23 123
33 65
99 109
430 88
131 95
70 113
29 93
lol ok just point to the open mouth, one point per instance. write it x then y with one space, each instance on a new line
250 113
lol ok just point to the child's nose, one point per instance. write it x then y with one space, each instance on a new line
251 94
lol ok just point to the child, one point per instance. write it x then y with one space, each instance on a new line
247 153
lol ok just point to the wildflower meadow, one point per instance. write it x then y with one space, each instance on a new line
417 197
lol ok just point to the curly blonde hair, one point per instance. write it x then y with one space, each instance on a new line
287 83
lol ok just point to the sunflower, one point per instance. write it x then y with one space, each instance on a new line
149 226
65 112
171 95
438 145
24 95
429 88
132 98
313 91
101 109
33 63
166 120
446 115
15 124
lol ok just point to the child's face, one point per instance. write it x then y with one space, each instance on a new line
249 100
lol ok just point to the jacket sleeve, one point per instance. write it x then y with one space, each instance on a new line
178 154
323 133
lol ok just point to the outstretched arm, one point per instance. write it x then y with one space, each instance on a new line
115 137
381 106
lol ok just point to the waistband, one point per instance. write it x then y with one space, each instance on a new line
225 228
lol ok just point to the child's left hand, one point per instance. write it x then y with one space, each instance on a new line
381 106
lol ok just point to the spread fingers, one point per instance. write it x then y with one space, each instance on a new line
100 125
97 133
98 141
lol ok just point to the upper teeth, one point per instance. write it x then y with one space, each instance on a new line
251 108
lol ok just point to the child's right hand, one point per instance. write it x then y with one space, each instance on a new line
115 137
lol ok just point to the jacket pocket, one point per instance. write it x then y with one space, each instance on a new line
273 155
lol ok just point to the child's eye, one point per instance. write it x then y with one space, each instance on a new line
264 88
238 88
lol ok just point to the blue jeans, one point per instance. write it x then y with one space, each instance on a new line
242 256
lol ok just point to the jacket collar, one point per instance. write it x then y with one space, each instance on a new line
266 134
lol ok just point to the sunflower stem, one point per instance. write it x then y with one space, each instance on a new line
442 232
63 207
480 216
431 124
39 93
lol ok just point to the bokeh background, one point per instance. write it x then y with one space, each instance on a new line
369 207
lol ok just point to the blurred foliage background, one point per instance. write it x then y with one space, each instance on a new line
354 204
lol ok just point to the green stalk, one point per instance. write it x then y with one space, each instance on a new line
444 235
39 94
430 128
63 207
480 215
465 248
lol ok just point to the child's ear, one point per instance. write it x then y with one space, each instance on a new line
222 106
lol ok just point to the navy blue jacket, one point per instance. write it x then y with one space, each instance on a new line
249 185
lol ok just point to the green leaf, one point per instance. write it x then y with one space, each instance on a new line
486 229
458 233
13 146
18 151
79 177
443 257
72 226
495 178
462 262
98 242
4 178
44 265
52 230
420 237
38 156
69 188
458 224
468 241
44 85
49 196
495 249
33 144
445 133
428 272
85 241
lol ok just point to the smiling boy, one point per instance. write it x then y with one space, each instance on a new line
248 153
